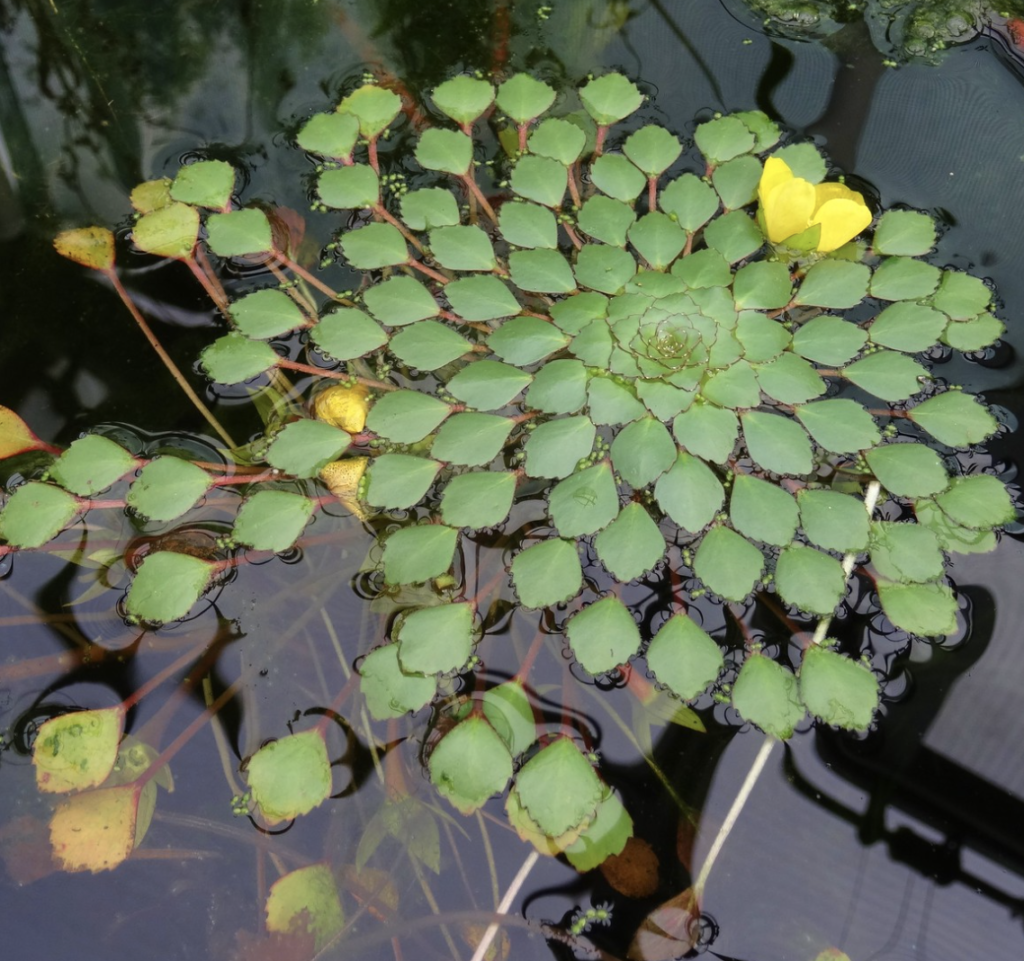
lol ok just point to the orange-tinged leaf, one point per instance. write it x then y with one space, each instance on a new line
669 931
95 830
15 436
89 246
76 751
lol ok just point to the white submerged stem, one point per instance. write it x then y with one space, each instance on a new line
506 902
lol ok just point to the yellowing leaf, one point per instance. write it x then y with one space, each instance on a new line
15 436
77 751
342 479
89 246
95 830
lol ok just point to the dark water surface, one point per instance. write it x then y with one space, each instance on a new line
905 845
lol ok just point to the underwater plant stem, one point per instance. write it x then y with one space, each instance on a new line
157 679
474 189
733 816
166 358
506 902
301 271
220 740
429 271
208 275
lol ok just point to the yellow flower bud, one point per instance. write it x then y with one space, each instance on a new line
791 205
343 407
342 479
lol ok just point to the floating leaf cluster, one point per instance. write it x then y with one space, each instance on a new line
610 332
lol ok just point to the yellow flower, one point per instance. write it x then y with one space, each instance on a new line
790 205
342 479
343 407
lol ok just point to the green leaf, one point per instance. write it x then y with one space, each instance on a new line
887 375
607 269
977 501
690 493
776 443
722 139
903 278
728 564
206 183
171 231
606 220
235 358
617 177
559 387
734 387
683 657
658 239
528 225
401 301
953 537
435 640
805 160
905 233
462 248
481 298
707 431
449 151
834 283
974 334
906 552
488 384
471 439
839 425
413 555
734 235
464 99
75 751
575 313
928 610
429 345
266 313
510 713
762 284
374 108
832 520
470 764
375 245
765 130
762 511
609 99
631 545
584 502
908 327
961 296
908 470
789 379
239 233
406 416
306 901
166 586
558 139
540 179
828 340
303 447
838 690
653 149
606 835
559 788
290 776
541 271
272 520
955 419
428 208
346 334
611 403
399 480
91 464
479 499
705 268
603 635
167 487
761 337
388 690
737 180
555 448
643 451
349 188
523 98
329 134
547 573
690 200
35 513
766 694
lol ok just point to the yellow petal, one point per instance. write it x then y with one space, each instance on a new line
834 191
789 208
343 407
775 173
841 221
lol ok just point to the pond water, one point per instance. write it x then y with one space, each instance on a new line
904 844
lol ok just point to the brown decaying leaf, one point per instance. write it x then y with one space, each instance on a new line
634 871
25 849
276 946
668 931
